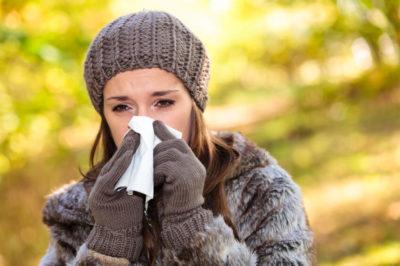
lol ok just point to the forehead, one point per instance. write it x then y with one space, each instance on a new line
148 79
152 82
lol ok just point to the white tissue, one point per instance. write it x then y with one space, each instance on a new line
139 174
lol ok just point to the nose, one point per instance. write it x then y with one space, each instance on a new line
142 112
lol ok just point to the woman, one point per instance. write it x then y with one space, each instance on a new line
219 199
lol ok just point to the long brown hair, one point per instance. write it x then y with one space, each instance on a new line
216 154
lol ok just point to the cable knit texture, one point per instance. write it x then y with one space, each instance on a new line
147 39
266 208
178 230
123 243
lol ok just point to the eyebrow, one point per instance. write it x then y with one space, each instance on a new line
154 94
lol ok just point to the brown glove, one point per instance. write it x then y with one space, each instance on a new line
183 176
118 216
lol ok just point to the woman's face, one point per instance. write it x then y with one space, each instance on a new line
151 92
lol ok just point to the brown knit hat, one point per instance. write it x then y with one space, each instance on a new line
147 39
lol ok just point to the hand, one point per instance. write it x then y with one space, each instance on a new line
118 216
179 170
182 176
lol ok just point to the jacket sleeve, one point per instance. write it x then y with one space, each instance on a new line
68 220
271 218
268 213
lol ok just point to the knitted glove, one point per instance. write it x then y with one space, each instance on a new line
182 175
118 216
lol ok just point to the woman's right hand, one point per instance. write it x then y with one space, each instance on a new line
118 216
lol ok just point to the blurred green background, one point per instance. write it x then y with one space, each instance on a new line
314 82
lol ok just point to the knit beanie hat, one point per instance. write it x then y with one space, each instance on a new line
147 39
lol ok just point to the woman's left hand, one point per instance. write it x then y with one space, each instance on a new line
182 177
179 170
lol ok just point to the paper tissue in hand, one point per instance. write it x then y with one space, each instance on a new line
139 174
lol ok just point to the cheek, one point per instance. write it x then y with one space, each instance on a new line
186 127
181 122
118 127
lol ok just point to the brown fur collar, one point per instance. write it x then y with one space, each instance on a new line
251 156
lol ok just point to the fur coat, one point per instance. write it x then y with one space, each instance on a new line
266 207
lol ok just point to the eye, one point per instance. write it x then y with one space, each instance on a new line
118 109
165 103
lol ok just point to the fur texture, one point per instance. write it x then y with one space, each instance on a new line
266 206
